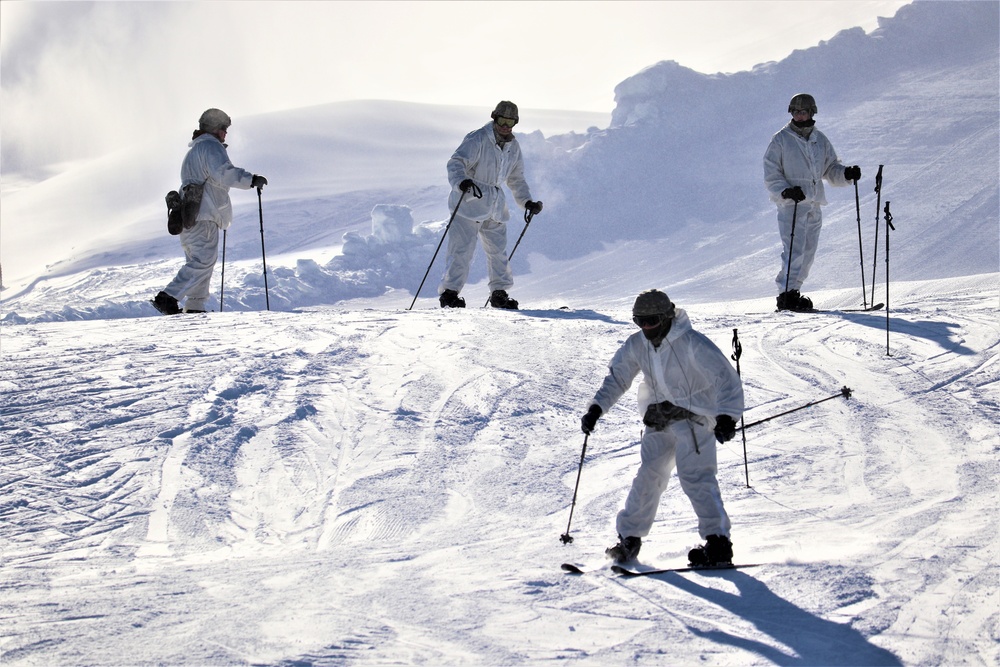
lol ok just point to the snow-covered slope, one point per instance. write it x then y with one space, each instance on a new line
367 485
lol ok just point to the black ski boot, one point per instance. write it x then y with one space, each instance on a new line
626 549
788 300
795 302
717 550
166 304
499 299
450 299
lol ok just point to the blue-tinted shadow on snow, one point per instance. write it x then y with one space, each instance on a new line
946 334
568 314
812 640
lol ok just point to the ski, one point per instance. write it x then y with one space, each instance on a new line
626 572
877 306
580 568
643 570
834 311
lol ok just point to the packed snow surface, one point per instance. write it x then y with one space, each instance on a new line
370 485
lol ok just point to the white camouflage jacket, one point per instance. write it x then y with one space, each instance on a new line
491 167
208 162
687 369
792 160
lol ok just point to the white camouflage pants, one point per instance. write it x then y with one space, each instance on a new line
660 452
808 223
462 246
201 250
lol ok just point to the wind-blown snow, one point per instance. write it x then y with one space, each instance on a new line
345 481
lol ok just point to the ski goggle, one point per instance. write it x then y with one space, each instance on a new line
647 321
506 122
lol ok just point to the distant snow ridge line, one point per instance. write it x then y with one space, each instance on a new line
394 256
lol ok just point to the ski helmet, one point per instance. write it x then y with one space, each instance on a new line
505 109
653 302
214 119
803 101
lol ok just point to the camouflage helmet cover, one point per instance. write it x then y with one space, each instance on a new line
653 302
506 109
802 101
214 119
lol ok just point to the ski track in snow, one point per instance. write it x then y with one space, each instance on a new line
220 479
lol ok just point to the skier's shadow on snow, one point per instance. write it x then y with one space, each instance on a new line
946 334
567 314
811 639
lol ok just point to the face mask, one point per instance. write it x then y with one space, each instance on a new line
657 334
652 334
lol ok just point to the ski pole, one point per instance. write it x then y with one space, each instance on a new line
477 193
888 226
222 286
861 248
566 538
791 243
263 255
737 353
878 203
527 221
844 391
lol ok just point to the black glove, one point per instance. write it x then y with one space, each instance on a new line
589 420
852 173
725 428
533 207
795 194
258 181
466 185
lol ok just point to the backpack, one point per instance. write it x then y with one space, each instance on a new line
182 210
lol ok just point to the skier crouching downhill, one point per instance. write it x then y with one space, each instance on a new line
690 396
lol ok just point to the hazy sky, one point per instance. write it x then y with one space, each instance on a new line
80 78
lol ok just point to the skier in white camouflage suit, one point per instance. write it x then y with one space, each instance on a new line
797 160
487 159
690 396
206 164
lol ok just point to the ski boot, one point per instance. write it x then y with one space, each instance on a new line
795 302
450 299
626 549
499 299
788 300
716 551
166 304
